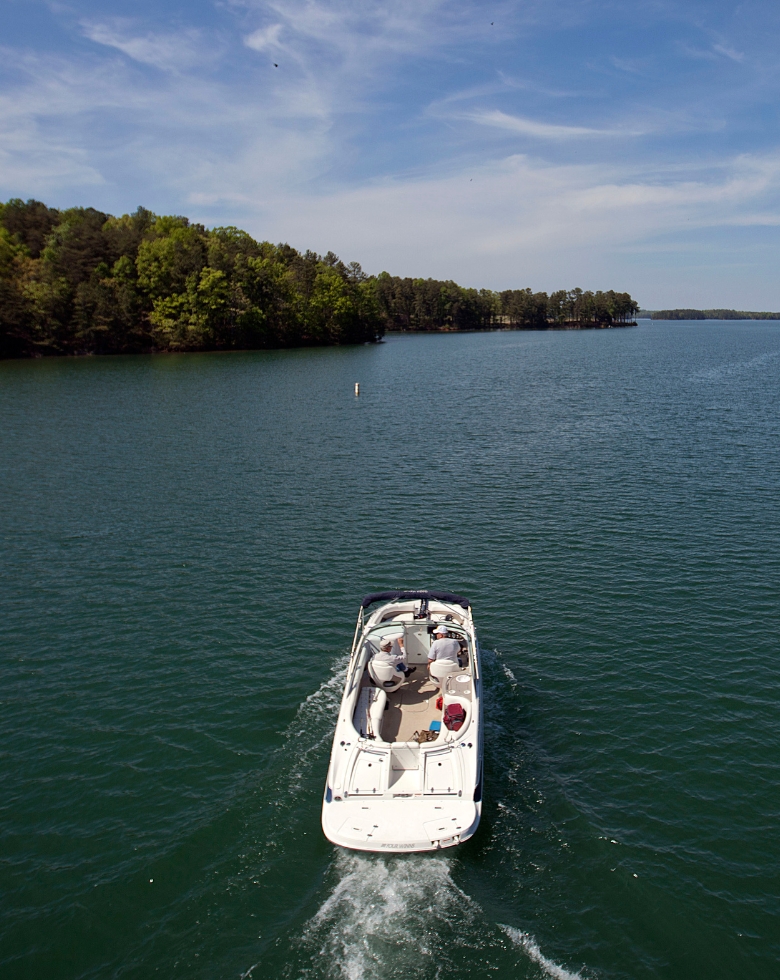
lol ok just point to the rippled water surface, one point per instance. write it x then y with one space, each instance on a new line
184 541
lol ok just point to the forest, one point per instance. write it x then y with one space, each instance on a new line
711 315
427 304
79 281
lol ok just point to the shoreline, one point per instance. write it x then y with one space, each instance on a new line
496 328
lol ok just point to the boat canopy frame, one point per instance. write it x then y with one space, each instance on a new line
403 595
398 596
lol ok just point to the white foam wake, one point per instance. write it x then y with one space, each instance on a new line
736 367
387 917
498 658
313 724
530 947
297 767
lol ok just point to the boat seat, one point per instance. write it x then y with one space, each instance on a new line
377 712
370 712
465 703
385 676
440 670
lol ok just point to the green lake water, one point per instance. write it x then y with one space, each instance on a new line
184 542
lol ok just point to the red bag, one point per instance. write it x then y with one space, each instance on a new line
439 702
454 716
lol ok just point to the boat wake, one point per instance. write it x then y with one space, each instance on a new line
312 724
293 773
399 916
388 917
530 947
405 917
736 367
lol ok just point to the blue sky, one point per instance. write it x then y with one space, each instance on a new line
626 145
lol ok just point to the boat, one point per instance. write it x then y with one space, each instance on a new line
405 771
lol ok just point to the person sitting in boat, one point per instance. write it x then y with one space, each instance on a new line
391 651
443 655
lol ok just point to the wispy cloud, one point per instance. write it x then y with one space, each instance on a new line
181 136
702 54
712 53
384 131
518 222
634 66
264 38
168 52
729 52
541 130
533 203
361 37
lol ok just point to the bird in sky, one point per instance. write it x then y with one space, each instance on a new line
275 65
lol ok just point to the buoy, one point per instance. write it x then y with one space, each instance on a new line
357 387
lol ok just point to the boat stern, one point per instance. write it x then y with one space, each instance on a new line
401 826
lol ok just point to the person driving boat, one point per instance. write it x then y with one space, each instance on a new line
443 655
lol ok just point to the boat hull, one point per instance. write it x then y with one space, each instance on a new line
400 827
405 772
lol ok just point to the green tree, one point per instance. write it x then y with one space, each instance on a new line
29 223
15 312
81 281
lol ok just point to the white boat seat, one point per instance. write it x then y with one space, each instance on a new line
370 712
440 670
377 712
385 676
465 703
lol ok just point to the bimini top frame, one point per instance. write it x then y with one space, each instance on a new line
402 595
396 595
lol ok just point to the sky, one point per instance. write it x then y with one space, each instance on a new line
630 145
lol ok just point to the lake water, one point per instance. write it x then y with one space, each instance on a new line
184 543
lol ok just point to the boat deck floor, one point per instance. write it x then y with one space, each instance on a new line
411 708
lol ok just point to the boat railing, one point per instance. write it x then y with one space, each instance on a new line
356 648
466 628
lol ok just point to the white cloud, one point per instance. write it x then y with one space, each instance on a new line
30 159
531 127
518 221
267 37
165 51
729 52
256 159
358 38
313 153
691 52
712 54
180 136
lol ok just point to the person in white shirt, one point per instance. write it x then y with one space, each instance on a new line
443 655
391 651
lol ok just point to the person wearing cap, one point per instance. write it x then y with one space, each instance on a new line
391 651
443 655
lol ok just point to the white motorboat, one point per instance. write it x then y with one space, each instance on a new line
405 771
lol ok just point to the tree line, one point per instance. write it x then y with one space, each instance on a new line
427 304
711 315
80 281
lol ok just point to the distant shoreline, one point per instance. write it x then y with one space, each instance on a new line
706 315
495 327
